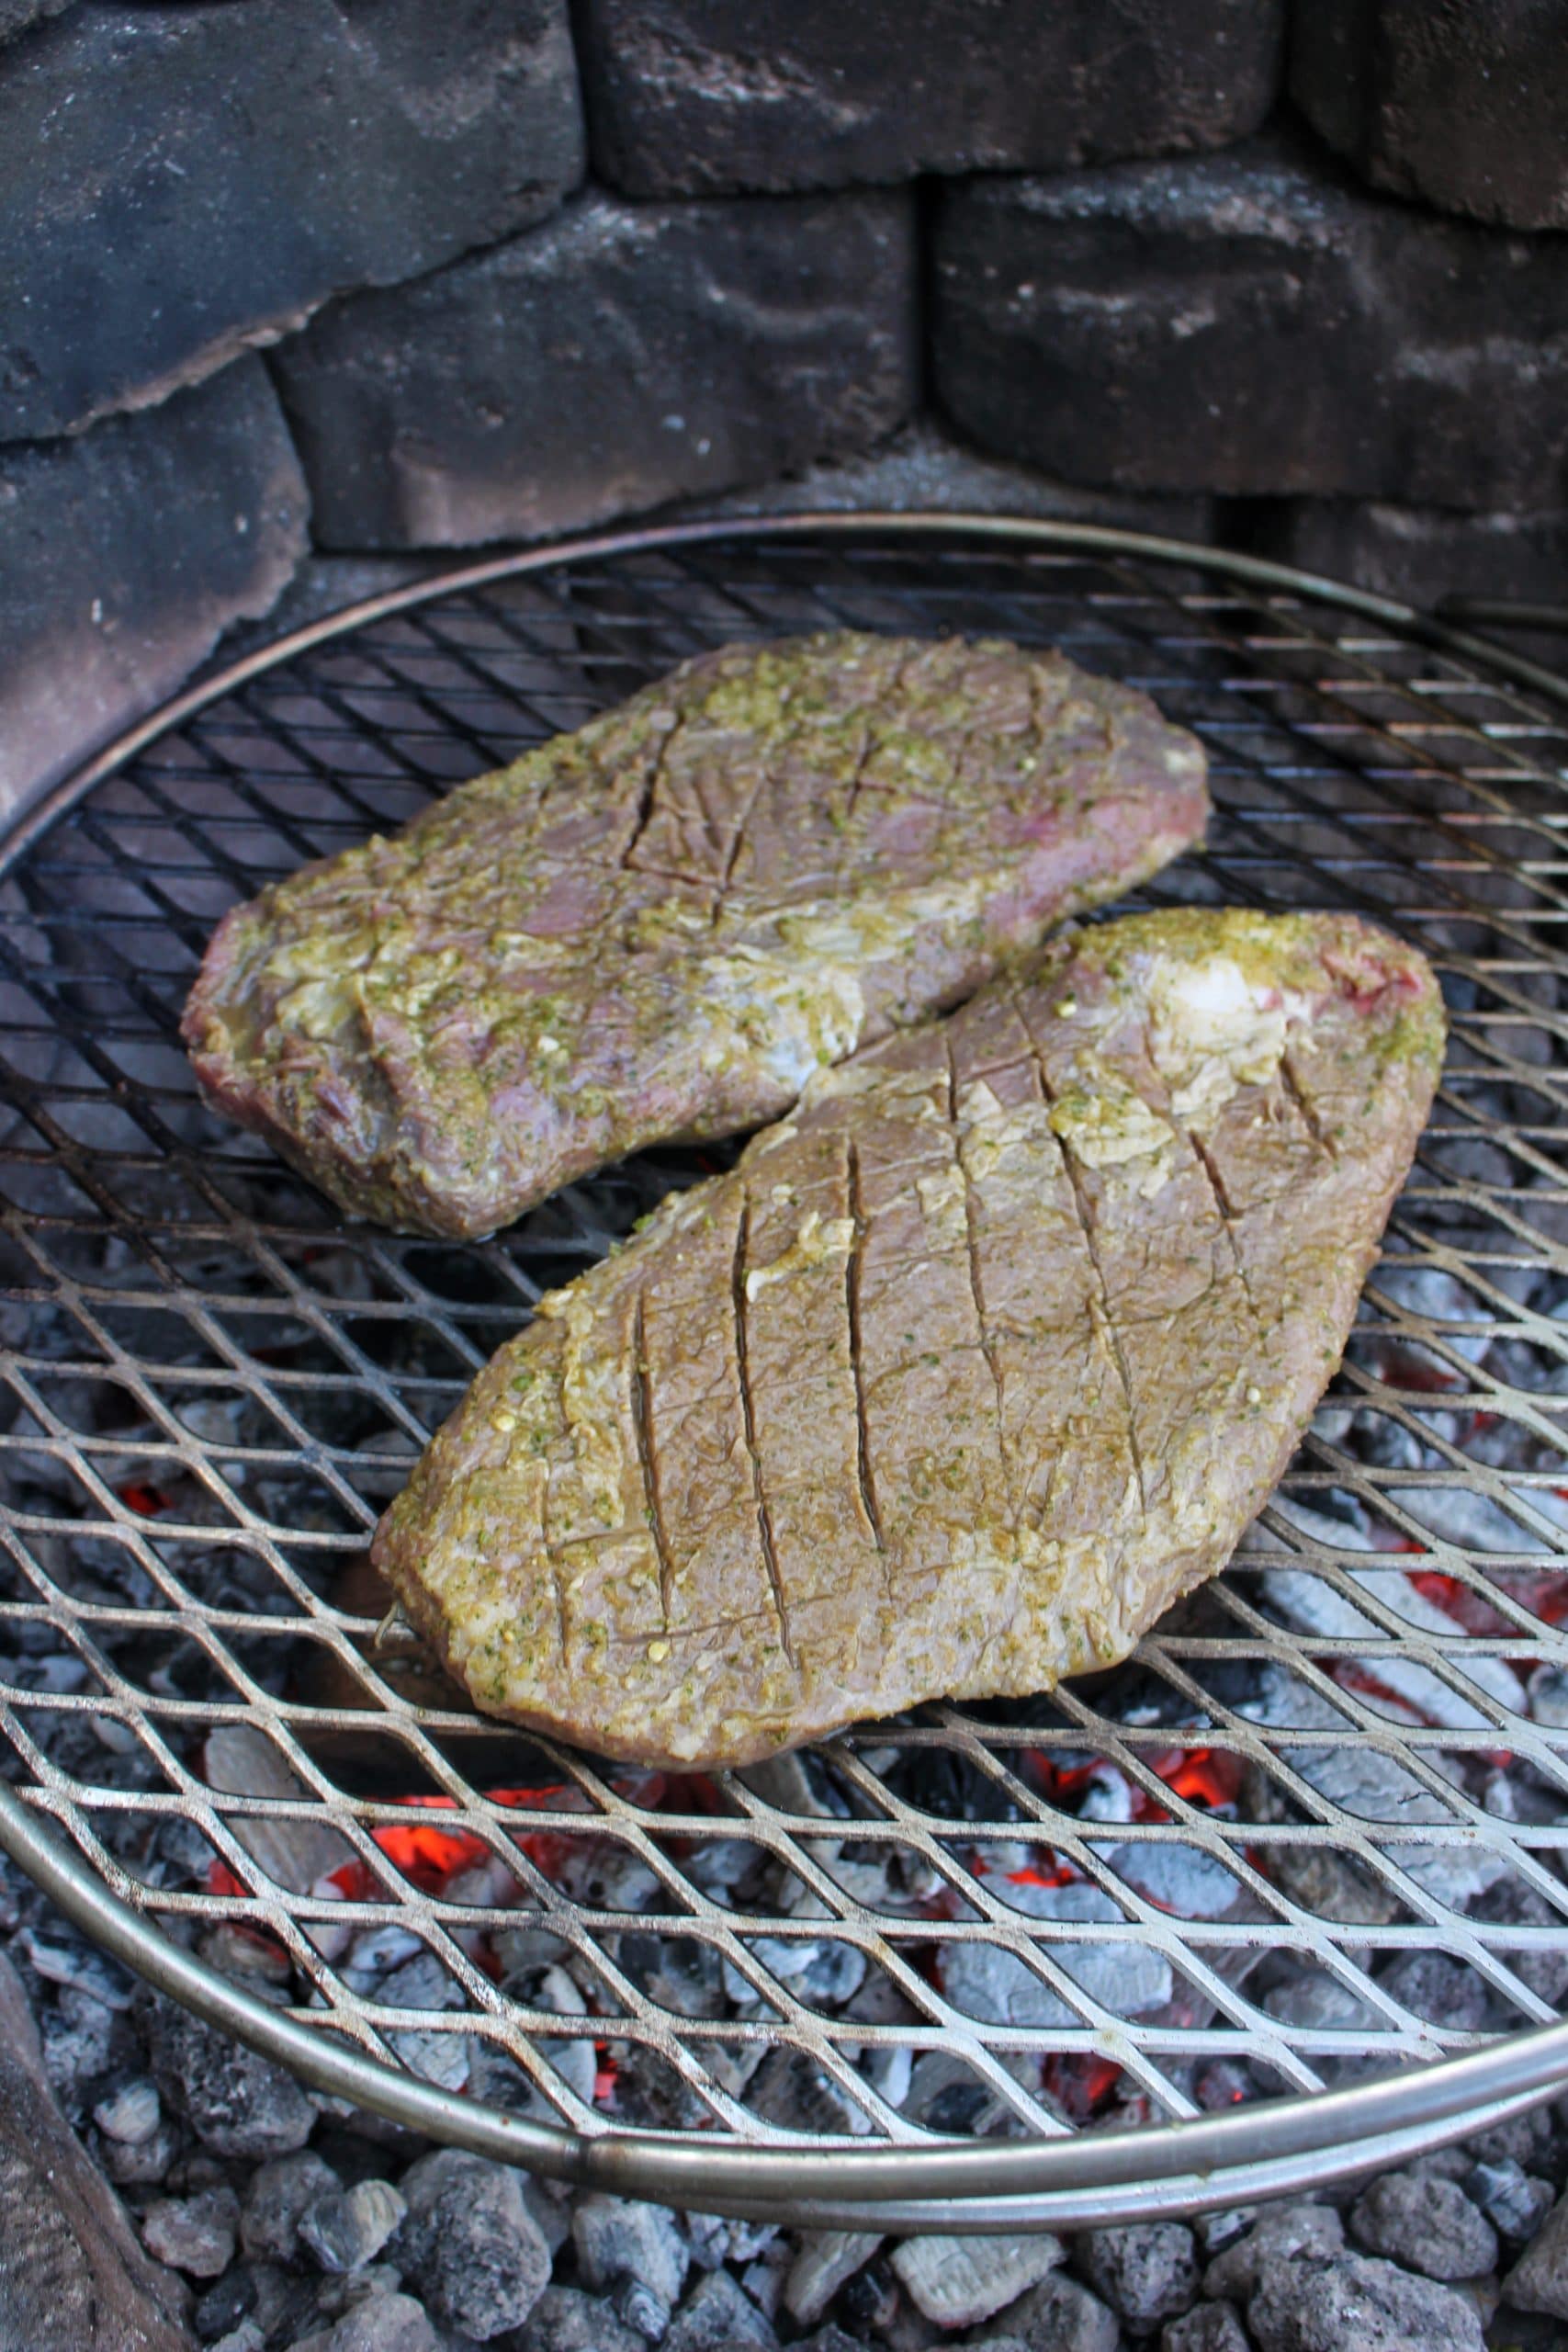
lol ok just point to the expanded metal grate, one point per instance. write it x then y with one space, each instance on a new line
917 1962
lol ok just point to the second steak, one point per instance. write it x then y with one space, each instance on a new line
661 924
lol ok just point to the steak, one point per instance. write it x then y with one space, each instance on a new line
661 924
961 1375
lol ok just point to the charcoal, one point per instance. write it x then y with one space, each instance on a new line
1147 2271
1428 2225
1061 2315
713 2241
1514 2201
348 2228
246 2337
1214 2232
1538 2281
637 2307
228 2305
1209 2327
130 2113
195 2235
1444 1991
237 2103
1327 2305
565 2320
380 2324
469 2244
825 2259
80 2045
958 2281
1280 2232
789 2088
63 1961
140 2163
1512 1904
279 2195
618 2238
717 2312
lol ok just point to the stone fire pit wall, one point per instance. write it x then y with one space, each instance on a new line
373 277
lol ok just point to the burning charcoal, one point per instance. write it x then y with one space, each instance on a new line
423 1983
280 2195
946 2096
195 2235
1179 1878
717 2313
821 1970
1211 2327
375 1951
790 2089
1147 2272
380 2324
1327 2306
958 2281
603 1875
1548 1689
1061 2315
131 2114
1514 2201
650 2092
616 2238
1310 1996
564 2320
471 2245
997 1986
348 2228
1280 2232
237 2103
1429 2225
825 2259
1539 2281
1445 1991
797 1783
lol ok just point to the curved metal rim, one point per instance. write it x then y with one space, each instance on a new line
1263 2149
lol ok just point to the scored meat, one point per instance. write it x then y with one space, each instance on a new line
661 924
960 1376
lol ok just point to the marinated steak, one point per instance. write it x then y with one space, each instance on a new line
960 1376
662 924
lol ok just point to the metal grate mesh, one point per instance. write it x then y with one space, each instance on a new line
1208 1874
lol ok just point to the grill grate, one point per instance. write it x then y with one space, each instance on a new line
1158 1893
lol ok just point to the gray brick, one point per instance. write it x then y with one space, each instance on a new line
702 95
1253 324
182 181
619 356
1465 106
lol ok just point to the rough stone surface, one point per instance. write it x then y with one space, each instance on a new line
195 2235
1539 2281
566 2320
1278 2233
124 555
691 96
621 356
1210 2328
618 2238
349 2228
72 2277
1061 2315
471 2245
717 2313
1148 2272
1465 105
157 220
1428 2224
958 2281
380 2324
237 2103
1330 2305
278 2198
1423 553
1252 323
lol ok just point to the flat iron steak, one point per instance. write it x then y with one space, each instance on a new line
663 923
960 1376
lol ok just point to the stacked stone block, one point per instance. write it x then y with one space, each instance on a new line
451 271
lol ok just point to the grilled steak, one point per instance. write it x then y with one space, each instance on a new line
662 924
960 1376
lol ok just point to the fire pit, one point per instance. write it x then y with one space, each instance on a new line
1276 1901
